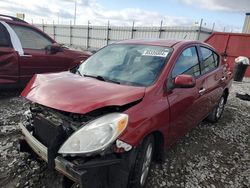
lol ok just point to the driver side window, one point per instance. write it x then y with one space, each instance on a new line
30 38
187 63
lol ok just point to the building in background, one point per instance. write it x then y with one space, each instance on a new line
246 27
20 16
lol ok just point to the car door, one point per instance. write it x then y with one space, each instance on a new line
211 67
36 58
8 58
186 104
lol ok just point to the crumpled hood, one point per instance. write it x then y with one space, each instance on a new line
73 93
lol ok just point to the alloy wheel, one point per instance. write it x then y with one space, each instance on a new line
220 107
146 164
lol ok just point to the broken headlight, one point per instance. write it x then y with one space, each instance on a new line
96 136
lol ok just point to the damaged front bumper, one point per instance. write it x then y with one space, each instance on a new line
42 152
97 169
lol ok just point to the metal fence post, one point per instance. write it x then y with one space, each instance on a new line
199 31
160 30
70 34
213 27
108 29
54 30
88 35
43 24
133 29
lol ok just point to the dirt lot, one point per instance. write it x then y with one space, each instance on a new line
209 156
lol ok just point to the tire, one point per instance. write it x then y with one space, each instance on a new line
217 112
139 173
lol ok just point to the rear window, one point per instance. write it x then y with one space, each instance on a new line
210 60
4 37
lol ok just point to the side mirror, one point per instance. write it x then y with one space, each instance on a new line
54 48
93 51
184 81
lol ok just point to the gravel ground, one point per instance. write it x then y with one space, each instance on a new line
210 155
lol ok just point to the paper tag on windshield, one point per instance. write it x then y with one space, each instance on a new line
155 53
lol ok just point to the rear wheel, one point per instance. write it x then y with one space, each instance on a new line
217 112
139 174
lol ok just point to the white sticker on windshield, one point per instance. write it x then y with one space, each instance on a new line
155 53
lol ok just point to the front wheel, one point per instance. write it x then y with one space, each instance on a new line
139 174
217 112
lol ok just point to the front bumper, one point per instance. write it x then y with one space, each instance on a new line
42 152
116 167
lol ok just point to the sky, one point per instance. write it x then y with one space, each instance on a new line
226 15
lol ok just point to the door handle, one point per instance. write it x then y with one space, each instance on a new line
202 90
223 78
26 55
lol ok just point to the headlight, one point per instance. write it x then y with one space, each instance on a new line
96 135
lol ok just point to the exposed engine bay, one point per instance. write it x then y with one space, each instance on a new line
70 122
53 127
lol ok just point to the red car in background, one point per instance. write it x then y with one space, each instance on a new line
25 50
123 107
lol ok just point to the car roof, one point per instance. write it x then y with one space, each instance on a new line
158 42
9 21
12 19
17 21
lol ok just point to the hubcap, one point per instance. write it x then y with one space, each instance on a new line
220 107
146 164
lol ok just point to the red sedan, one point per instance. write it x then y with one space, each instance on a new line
122 108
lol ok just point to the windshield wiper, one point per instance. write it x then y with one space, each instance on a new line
98 77
78 72
113 81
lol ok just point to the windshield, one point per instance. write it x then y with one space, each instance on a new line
138 65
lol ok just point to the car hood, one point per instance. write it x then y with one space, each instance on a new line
73 93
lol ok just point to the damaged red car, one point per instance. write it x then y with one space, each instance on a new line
104 123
